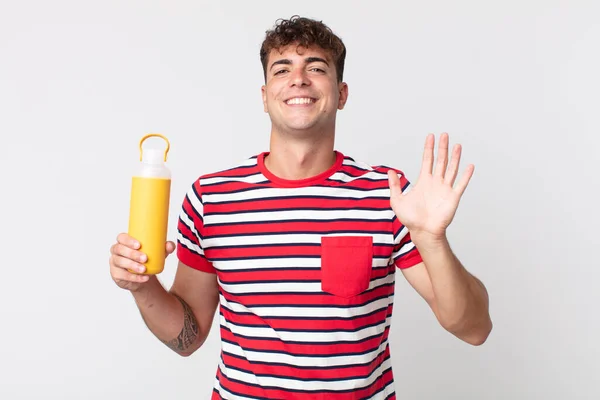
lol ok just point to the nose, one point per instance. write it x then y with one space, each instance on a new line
298 77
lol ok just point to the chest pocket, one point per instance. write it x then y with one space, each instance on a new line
346 263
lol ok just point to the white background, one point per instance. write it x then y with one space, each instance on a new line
516 82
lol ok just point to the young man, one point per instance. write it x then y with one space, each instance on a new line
299 246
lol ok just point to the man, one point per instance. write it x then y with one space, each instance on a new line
299 246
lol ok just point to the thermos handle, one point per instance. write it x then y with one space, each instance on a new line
155 135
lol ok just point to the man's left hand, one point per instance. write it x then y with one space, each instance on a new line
428 208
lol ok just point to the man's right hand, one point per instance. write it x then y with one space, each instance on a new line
124 256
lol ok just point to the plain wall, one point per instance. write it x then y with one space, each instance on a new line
515 82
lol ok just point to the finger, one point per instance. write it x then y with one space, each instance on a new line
427 165
127 264
453 165
128 241
170 247
394 182
124 251
464 180
119 274
442 157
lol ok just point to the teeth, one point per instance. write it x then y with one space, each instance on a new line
299 100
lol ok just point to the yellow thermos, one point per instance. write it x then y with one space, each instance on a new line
149 207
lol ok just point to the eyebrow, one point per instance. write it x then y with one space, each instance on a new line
308 60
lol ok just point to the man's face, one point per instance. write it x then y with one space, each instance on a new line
301 90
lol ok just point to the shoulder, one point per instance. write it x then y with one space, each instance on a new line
364 168
243 169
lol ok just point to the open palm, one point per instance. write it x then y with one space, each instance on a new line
430 205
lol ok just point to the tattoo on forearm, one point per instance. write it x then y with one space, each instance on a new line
188 334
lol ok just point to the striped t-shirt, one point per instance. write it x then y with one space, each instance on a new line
306 273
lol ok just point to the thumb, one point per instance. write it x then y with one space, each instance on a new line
394 182
170 246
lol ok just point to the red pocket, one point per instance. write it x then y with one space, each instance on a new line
346 263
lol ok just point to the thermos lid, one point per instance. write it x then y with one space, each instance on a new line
154 156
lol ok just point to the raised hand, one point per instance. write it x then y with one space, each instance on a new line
429 207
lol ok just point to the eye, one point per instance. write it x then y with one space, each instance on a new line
317 69
280 72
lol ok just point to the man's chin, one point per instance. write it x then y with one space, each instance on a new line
301 127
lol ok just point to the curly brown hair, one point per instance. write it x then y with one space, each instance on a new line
304 32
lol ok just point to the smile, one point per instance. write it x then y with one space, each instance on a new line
300 100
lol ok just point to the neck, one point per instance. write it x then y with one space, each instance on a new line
296 158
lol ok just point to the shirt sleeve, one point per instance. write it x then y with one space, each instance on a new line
190 228
405 253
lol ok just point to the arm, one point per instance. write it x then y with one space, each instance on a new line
182 317
459 300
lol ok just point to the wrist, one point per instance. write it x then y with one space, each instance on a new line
143 293
428 242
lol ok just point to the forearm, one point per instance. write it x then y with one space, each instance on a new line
169 318
461 300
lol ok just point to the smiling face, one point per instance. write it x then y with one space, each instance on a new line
302 92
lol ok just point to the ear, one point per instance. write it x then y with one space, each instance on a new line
263 91
343 90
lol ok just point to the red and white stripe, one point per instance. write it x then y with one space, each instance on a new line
282 335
